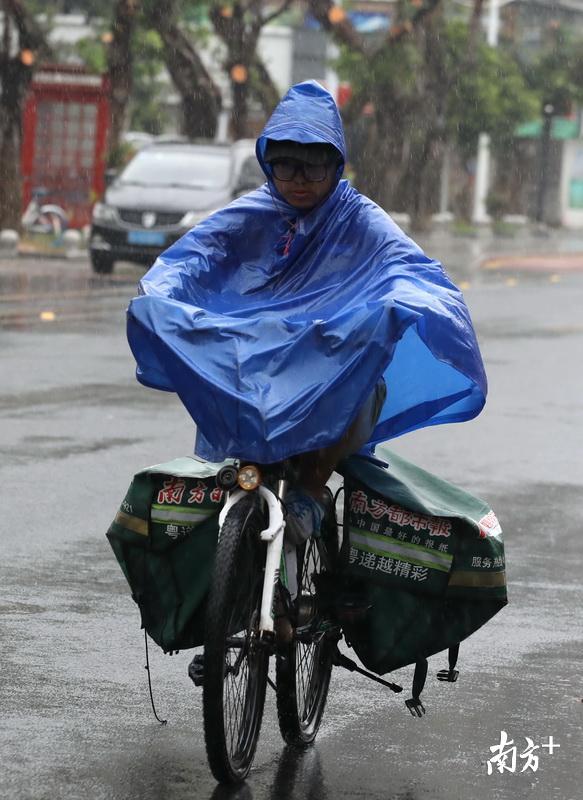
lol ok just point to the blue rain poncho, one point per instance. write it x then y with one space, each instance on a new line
274 326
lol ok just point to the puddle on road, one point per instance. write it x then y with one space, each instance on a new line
16 607
30 299
20 286
23 455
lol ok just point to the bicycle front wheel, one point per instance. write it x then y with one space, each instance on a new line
235 663
304 666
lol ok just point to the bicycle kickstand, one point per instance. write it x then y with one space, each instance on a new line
340 660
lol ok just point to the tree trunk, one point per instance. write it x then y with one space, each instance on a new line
420 181
240 115
262 86
421 175
241 44
120 74
15 81
239 26
395 160
201 99
15 77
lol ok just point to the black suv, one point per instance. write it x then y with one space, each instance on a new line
166 189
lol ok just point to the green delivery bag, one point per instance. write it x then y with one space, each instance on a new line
421 559
164 537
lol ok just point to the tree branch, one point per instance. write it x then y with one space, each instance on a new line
201 99
29 31
474 27
405 28
120 70
263 87
342 30
274 14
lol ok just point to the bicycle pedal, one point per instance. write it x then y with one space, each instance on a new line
448 675
196 670
415 706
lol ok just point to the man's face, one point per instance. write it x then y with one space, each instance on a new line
301 191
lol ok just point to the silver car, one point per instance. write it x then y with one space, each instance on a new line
163 192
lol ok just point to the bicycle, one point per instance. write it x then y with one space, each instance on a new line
48 218
250 591
212 568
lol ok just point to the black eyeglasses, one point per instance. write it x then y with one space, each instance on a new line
286 169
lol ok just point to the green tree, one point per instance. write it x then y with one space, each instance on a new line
492 97
557 74
146 107
431 82
200 97
113 53
147 110
399 85
238 24
91 8
22 45
120 63
557 78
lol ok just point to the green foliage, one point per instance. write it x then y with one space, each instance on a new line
485 91
92 8
557 75
464 229
496 205
119 156
195 11
505 229
490 96
147 111
394 69
92 54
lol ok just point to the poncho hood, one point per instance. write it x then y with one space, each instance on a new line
273 326
307 114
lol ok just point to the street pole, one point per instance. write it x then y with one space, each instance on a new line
480 215
545 146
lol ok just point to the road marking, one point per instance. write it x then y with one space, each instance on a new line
29 319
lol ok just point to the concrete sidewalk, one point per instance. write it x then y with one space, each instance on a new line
528 250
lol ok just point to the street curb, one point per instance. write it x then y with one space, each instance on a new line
76 255
544 262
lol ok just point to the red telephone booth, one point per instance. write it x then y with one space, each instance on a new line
64 139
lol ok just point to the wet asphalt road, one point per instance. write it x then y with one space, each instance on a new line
75 720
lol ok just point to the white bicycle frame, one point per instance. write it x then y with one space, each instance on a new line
273 535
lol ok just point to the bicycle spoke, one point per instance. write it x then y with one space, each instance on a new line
306 664
235 678
302 692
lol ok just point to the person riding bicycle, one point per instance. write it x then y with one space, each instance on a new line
281 319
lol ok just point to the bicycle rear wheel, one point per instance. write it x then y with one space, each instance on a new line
304 667
235 663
